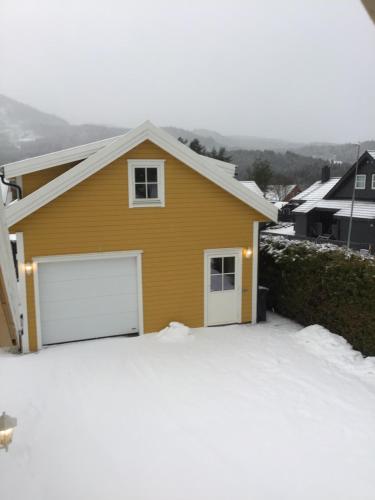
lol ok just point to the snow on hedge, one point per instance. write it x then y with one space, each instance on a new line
277 246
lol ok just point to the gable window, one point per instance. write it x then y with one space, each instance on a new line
373 181
360 181
146 183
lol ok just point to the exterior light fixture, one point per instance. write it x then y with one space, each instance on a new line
247 252
7 425
28 268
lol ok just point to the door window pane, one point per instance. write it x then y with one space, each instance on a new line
222 273
216 265
216 282
229 264
228 281
140 174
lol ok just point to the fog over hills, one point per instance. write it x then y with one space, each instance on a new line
26 131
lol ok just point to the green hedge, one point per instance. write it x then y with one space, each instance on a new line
322 284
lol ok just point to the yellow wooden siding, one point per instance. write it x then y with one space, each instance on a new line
35 180
94 216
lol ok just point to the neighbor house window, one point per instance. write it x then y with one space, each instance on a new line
360 181
373 181
146 183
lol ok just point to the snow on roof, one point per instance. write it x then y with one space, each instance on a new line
318 190
342 208
225 166
371 153
253 186
287 229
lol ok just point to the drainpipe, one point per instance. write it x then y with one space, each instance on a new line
11 184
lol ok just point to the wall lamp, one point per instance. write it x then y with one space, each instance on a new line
247 252
28 268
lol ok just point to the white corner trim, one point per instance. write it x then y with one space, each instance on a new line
140 293
22 291
8 273
157 202
80 257
117 148
37 305
222 252
254 292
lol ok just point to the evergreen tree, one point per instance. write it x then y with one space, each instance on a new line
196 146
261 173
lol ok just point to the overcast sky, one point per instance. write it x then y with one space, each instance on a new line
294 69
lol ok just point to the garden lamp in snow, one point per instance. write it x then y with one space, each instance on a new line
7 425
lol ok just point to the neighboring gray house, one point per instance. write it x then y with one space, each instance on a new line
324 208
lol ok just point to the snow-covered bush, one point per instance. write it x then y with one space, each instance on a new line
322 283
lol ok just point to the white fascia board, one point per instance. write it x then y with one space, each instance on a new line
122 145
54 159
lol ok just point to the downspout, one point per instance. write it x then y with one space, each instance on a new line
11 184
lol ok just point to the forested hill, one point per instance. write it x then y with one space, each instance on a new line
288 168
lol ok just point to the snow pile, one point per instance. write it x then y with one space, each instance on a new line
335 350
175 332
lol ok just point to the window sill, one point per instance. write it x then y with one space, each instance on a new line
147 204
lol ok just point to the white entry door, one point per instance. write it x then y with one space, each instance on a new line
223 270
86 297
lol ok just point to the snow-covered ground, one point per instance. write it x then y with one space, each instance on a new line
265 412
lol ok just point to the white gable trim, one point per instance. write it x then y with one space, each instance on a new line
54 159
22 208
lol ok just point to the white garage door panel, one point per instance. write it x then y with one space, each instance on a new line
117 304
87 298
101 326
85 288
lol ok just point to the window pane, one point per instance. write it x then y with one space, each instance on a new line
152 190
229 264
216 265
228 281
152 175
140 190
216 283
140 174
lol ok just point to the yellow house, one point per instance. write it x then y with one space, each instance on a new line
124 235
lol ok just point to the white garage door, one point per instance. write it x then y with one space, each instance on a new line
85 299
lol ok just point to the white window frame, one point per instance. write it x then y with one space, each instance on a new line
356 181
373 181
151 202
